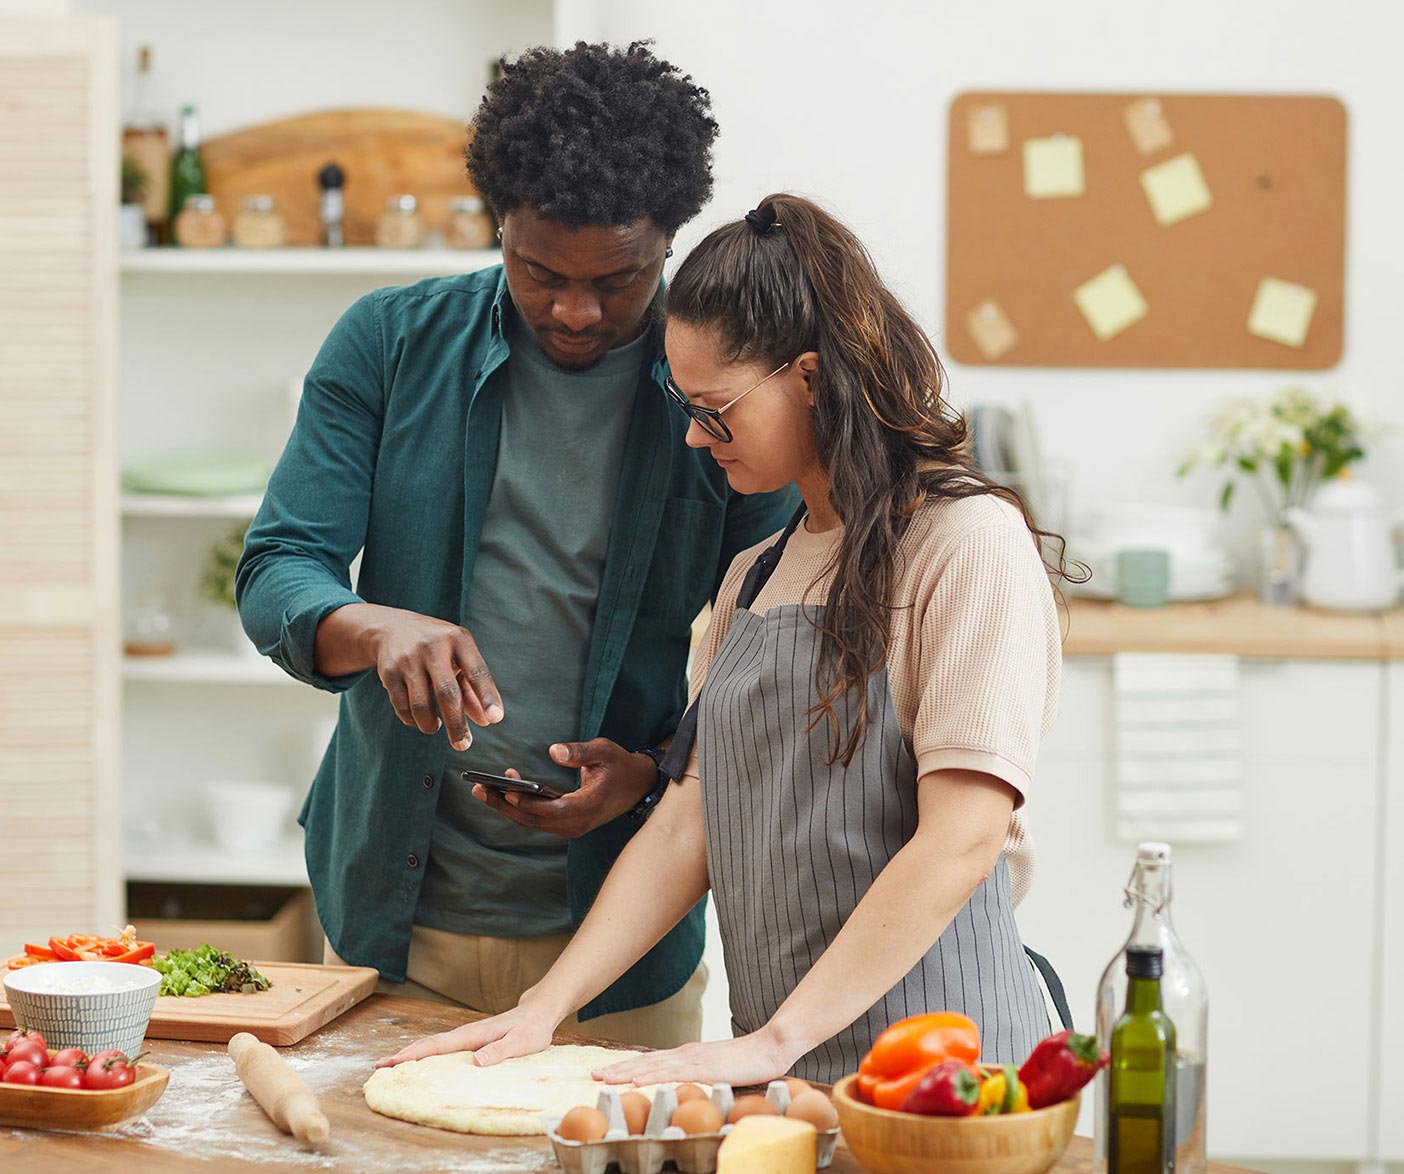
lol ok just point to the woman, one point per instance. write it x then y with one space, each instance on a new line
868 701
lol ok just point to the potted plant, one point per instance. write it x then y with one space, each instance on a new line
216 584
131 217
1284 447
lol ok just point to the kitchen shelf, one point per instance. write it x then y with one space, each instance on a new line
206 863
353 260
160 505
210 667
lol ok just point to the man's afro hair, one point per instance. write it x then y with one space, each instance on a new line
594 135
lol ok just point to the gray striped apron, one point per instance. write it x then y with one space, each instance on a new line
793 844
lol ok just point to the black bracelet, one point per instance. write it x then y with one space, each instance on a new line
644 808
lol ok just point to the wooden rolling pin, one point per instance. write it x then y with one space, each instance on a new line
288 1102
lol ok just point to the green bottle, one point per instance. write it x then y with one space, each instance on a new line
1141 1137
187 172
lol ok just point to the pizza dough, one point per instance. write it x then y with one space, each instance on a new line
503 1100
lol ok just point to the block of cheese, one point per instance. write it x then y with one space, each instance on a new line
769 1145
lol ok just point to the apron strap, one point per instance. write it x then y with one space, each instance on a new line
680 749
1055 987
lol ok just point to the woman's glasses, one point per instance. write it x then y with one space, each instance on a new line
710 418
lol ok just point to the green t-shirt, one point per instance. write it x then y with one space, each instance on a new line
531 609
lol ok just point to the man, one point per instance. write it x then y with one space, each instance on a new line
537 541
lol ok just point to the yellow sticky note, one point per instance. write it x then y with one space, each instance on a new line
1147 125
1282 311
1176 189
991 329
1053 167
1110 302
987 128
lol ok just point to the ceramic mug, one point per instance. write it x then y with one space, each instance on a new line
1143 577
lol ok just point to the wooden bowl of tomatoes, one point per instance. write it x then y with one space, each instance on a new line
41 1088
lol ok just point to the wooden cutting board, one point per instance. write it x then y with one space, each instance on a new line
383 153
301 1000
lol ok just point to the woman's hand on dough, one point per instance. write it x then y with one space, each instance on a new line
749 1059
517 1032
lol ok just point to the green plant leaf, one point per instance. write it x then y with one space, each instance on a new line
1226 495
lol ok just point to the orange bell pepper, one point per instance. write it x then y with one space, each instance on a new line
910 1048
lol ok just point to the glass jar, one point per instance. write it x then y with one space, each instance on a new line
199 225
151 630
1186 1004
469 225
400 225
258 225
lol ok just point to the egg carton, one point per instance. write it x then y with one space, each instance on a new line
660 1143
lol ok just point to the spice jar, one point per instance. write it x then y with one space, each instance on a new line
199 225
469 226
400 226
258 225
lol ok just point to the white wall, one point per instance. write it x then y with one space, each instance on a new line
848 103
259 60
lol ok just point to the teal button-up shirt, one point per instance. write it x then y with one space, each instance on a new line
394 450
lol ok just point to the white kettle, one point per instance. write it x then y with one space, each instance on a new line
1351 560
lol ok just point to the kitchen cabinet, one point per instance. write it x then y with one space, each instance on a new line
59 700
1282 920
1390 1087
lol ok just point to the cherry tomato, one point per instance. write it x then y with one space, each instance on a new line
25 1034
29 1050
69 1058
98 1059
61 1076
112 1073
21 1072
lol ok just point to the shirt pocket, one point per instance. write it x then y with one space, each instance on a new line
684 564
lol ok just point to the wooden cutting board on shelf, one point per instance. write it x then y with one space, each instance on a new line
382 153
301 1000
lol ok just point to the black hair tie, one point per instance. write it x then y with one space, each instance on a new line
762 220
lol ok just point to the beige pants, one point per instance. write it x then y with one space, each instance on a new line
490 974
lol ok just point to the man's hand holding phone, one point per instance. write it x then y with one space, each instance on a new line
612 781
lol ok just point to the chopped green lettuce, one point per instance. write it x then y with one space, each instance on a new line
206 971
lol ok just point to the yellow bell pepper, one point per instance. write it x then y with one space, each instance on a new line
1002 1092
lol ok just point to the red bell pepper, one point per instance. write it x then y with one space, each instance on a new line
1059 1066
951 1089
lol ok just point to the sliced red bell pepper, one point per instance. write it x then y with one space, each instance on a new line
143 951
39 953
63 951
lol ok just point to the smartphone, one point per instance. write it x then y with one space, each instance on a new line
503 784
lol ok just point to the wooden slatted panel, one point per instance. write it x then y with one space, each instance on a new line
59 733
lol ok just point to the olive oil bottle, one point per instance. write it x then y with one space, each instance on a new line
1184 998
1141 1133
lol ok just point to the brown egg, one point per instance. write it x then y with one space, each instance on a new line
583 1124
751 1106
636 1107
813 1106
696 1116
797 1086
691 1092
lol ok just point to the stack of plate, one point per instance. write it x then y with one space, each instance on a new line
1200 566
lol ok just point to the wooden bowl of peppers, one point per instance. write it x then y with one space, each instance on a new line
922 1102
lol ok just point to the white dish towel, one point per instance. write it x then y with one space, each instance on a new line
1179 748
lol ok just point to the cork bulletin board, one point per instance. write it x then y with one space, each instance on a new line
1146 230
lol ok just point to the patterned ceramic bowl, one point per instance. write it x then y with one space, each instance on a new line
88 1005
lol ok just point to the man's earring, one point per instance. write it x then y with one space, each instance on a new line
499 234
668 252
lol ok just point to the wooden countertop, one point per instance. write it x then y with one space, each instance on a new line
206 1117
1239 625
